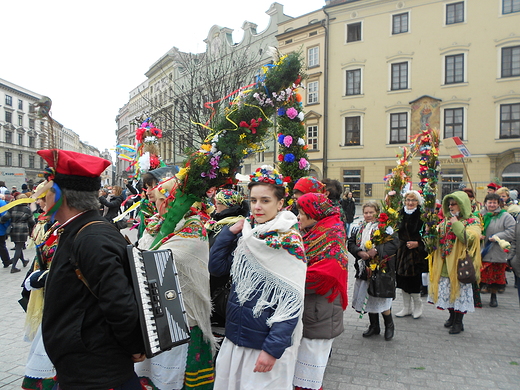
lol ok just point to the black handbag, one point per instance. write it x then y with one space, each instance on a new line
220 299
381 284
465 269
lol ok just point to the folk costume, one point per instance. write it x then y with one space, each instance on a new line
90 334
188 365
445 290
326 289
265 304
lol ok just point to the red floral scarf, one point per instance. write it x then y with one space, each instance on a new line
325 248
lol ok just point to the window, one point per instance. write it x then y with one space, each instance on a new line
454 69
353 82
451 179
455 13
20 104
20 139
31 142
352 182
8 159
399 76
511 61
510 6
312 137
313 56
20 120
400 23
398 128
8 137
42 143
354 32
510 120
41 162
8 100
31 124
8 117
31 161
312 92
20 160
352 130
454 122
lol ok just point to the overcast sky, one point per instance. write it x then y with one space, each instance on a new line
88 56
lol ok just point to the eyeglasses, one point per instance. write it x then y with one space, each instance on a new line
411 200
453 204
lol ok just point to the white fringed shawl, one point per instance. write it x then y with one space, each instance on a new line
270 258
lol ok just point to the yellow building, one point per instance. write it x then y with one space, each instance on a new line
388 68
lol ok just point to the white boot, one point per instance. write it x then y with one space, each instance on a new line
407 305
417 305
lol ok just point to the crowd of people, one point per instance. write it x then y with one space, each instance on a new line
263 280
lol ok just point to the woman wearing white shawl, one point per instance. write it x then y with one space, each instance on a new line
263 320
189 364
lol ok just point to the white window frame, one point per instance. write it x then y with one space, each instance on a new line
464 68
408 79
464 120
311 138
509 13
313 92
502 60
313 57
360 69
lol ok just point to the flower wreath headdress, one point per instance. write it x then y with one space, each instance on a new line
268 174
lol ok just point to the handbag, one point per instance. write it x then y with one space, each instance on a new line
220 299
381 284
465 269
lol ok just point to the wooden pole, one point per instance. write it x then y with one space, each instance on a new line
467 174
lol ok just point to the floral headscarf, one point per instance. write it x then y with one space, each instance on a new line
324 244
229 198
309 184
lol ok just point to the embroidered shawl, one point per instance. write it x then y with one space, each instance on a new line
325 249
269 260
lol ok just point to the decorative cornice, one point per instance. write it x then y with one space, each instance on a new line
455 47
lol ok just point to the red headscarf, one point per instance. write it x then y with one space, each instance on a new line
325 249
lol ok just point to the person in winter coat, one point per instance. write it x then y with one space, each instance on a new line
4 253
348 204
411 255
324 240
112 203
230 208
498 223
357 246
458 231
263 317
22 222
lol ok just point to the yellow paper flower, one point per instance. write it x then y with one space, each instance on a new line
377 233
224 170
373 266
206 147
391 211
182 173
242 136
290 202
368 245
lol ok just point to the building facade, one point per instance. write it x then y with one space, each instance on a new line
395 67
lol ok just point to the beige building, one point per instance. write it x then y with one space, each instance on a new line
381 70
396 65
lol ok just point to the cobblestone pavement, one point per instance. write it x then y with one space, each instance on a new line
422 354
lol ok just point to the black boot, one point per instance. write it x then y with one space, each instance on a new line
449 321
374 325
493 302
389 326
458 326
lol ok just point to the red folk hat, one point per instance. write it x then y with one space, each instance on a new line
493 186
75 171
309 184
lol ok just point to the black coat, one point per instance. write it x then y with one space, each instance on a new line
90 339
411 262
349 208
114 205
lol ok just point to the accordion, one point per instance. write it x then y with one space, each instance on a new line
161 309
